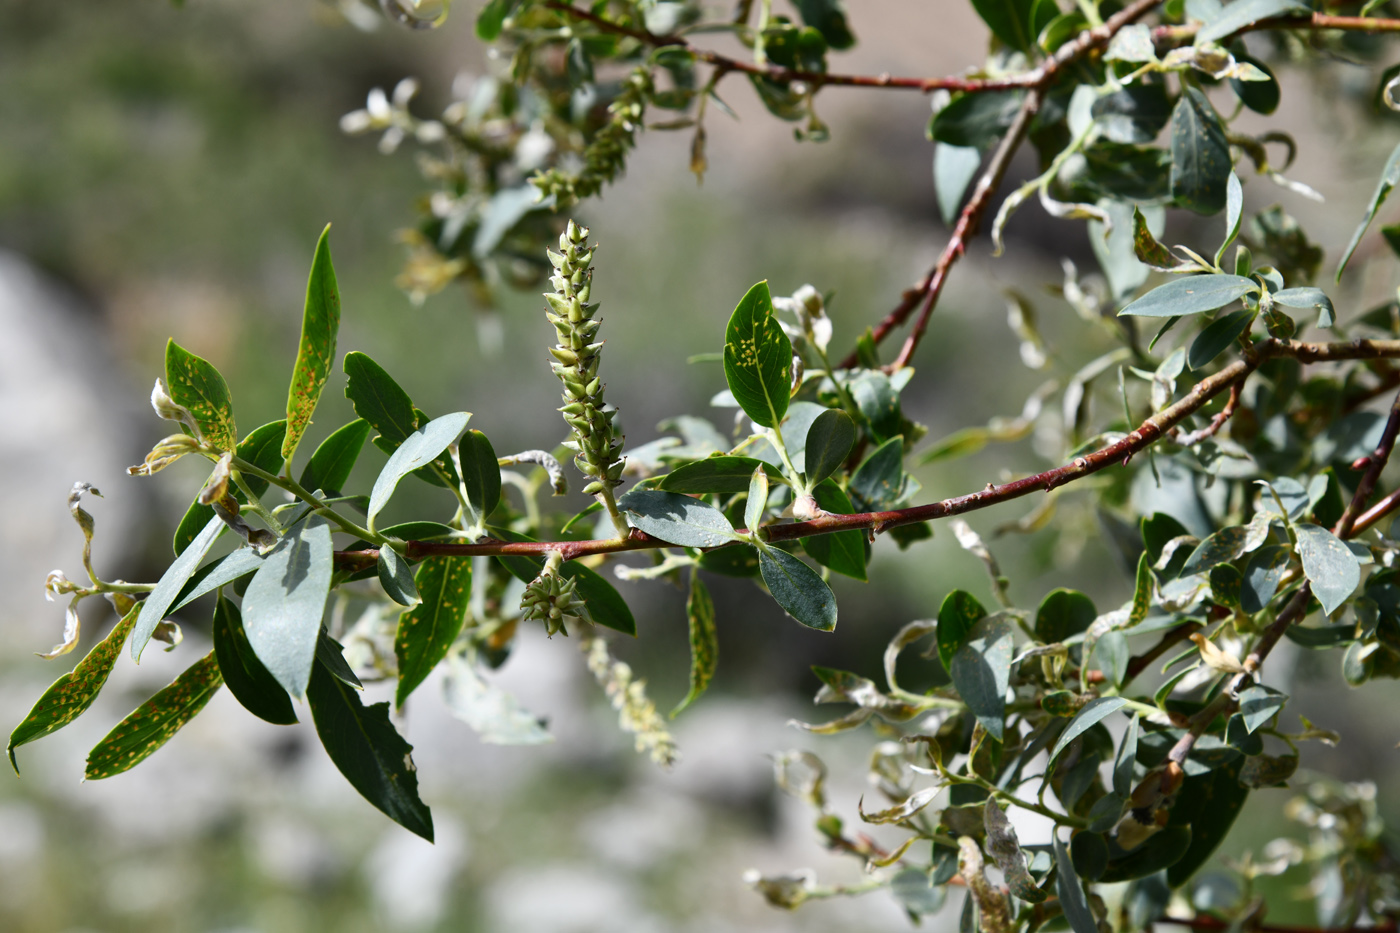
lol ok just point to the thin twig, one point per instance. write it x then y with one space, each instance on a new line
1120 452
1216 423
1207 922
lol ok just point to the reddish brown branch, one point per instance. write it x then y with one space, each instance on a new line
1314 23
1148 433
1376 512
1216 423
1207 922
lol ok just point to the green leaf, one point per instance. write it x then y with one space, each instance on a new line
676 519
1262 575
492 18
1191 295
798 589
320 322
954 167
1259 96
1071 892
333 459
1390 177
1308 298
981 671
1136 114
247 679
419 449
197 385
1234 213
1217 337
427 631
1123 764
378 399
1161 850
72 693
878 402
1146 247
844 551
364 745
481 473
1063 613
1200 154
756 499
829 441
1003 845
330 654
956 617
262 448
1009 20
605 605
758 358
1112 653
154 722
222 572
1244 13
1089 853
285 600
717 474
829 18
1328 564
1208 804
155 606
704 643
878 483
1224 545
1094 712
396 577
976 121
1259 704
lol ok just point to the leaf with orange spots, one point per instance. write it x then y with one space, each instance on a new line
154 722
427 630
320 322
73 693
197 385
758 358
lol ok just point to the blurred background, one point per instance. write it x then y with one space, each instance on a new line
164 172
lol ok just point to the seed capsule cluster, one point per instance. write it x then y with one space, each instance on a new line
597 452
550 598
606 155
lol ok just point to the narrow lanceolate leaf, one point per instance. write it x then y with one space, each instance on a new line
417 450
829 440
243 561
1146 247
378 399
481 473
427 631
956 617
285 600
262 448
320 322
1123 764
1200 155
396 577
1308 298
756 502
704 644
1092 713
1328 564
153 723
1071 892
364 745
1390 177
981 672
1191 295
1142 592
717 474
1217 337
155 606
1244 13
247 679
798 589
198 386
676 519
71 695
1234 213
758 358
333 459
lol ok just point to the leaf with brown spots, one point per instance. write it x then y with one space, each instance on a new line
427 630
758 358
73 693
320 322
197 385
152 724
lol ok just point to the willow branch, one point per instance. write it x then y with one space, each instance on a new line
1314 23
927 292
1227 701
1120 452
1207 922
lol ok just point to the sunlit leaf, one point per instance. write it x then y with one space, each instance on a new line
320 323
676 519
198 386
154 722
427 631
758 358
285 600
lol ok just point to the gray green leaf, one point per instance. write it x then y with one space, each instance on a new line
798 589
676 519
285 600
